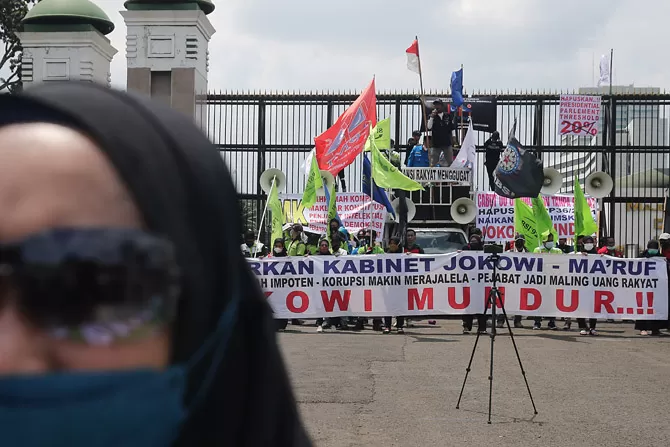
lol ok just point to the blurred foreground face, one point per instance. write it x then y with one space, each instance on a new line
52 176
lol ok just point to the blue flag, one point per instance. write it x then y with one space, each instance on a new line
456 89
379 195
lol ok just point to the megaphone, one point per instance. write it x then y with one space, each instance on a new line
411 209
328 182
598 184
552 182
463 210
266 180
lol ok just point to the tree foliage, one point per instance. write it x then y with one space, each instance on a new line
11 14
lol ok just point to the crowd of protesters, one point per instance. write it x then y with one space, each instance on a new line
338 242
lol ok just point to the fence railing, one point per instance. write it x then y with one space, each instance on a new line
259 131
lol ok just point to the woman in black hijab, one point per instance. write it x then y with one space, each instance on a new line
157 171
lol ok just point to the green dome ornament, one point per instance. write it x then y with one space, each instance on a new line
69 12
205 5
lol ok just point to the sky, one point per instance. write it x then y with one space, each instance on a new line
304 45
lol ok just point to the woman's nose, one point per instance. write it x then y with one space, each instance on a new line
22 347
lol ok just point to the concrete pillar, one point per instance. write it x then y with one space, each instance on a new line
167 53
65 41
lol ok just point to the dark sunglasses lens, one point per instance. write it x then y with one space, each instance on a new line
87 281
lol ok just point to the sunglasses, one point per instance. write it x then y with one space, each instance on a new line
95 285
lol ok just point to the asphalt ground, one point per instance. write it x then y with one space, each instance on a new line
366 388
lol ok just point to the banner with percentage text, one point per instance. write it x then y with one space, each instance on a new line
495 215
588 286
579 115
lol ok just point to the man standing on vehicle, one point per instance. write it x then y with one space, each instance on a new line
441 129
494 148
418 157
414 141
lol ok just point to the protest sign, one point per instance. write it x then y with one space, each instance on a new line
482 110
439 175
353 208
579 115
576 286
495 215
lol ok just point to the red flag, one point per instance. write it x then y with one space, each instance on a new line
413 57
338 146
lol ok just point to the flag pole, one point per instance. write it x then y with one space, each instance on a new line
611 67
460 110
260 224
423 97
372 186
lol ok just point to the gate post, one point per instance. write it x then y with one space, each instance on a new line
612 155
260 167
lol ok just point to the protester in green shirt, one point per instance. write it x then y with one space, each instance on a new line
368 245
296 247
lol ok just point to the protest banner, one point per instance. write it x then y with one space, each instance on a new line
439 175
579 115
576 286
482 110
495 215
353 208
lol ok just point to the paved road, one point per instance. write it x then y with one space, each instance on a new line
366 389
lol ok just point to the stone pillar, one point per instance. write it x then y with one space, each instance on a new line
52 53
167 53
65 41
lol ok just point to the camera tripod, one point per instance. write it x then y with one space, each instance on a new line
494 297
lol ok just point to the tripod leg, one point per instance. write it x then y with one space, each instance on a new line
518 357
492 299
468 369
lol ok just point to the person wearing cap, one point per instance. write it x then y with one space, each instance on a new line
664 241
441 127
296 247
547 239
414 141
251 247
587 247
419 157
518 246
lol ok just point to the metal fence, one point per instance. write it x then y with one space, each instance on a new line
256 131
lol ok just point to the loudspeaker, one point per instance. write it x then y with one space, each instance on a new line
552 182
411 209
463 210
266 180
599 184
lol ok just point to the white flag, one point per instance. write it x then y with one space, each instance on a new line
604 70
413 57
467 156
306 165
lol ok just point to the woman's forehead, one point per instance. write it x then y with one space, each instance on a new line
52 176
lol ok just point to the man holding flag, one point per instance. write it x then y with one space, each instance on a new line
441 126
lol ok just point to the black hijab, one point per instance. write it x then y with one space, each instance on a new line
184 192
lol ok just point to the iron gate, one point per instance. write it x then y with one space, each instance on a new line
256 131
